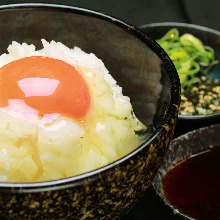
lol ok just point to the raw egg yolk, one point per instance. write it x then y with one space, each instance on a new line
47 85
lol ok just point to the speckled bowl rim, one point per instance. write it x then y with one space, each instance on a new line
174 101
192 26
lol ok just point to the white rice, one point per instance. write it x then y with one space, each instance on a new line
56 146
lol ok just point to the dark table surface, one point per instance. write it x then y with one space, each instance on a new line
139 12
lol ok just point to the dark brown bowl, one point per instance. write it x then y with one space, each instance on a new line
188 144
210 38
139 65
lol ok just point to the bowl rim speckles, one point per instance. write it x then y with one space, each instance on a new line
170 113
192 27
191 143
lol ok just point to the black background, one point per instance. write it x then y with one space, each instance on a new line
139 12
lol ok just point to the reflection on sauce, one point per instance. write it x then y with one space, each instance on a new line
193 185
45 85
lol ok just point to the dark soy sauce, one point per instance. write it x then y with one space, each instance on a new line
193 185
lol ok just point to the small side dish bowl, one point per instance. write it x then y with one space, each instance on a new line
210 38
140 66
192 143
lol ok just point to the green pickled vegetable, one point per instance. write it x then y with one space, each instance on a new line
189 56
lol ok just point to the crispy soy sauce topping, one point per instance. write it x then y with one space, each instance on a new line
202 98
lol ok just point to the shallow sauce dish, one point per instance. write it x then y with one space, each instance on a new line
133 59
197 142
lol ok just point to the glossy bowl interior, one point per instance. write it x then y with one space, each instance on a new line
208 36
140 66
188 144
